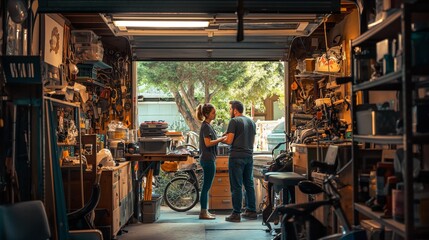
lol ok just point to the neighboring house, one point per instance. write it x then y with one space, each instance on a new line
156 107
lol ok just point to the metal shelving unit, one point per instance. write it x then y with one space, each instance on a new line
379 139
399 21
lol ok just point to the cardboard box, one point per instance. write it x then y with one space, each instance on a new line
370 121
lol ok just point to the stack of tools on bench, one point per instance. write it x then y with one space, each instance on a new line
153 128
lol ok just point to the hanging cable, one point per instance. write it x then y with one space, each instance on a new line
326 43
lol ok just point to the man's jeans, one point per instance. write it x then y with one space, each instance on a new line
241 173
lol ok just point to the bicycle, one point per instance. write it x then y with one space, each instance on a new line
297 219
182 193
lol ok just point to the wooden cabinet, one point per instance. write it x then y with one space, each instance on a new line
220 192
116 202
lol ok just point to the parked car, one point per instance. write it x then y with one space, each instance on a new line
276 136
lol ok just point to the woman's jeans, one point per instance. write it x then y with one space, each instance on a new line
209 168
241 173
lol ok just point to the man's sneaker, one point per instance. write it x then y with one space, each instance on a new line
250 215
234 217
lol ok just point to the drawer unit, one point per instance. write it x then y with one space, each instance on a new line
221 179
220 192
222 163
220 203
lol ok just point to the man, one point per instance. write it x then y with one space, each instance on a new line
241 136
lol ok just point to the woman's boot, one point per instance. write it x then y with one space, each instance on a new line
204 214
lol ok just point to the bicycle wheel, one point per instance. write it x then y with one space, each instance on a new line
181 194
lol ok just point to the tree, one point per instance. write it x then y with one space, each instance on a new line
192 83
260 81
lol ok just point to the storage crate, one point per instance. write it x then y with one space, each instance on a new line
151 209
159 145
87 71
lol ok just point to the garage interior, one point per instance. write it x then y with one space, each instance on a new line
379 83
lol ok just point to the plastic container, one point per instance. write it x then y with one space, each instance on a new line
150 209
117 147
122 133
84 37
93 52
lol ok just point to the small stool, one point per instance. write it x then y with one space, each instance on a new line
285 181
268 174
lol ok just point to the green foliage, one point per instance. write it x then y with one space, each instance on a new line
216 82
261 80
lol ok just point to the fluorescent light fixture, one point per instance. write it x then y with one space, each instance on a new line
162 24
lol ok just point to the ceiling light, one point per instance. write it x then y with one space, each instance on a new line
162 24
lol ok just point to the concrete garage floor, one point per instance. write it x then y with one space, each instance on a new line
173 225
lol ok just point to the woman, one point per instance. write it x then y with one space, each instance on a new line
208 150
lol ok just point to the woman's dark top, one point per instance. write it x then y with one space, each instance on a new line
207 153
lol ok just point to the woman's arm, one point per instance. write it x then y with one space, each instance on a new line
210 143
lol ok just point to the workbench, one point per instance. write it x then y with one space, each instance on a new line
141 164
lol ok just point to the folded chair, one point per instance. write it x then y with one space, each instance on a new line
28 220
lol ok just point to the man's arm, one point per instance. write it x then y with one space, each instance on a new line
229 138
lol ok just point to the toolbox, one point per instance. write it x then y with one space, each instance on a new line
160 145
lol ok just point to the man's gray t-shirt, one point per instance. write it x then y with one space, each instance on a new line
244 130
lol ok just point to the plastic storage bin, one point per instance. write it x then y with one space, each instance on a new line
87 37
150 209
155 145
89 52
